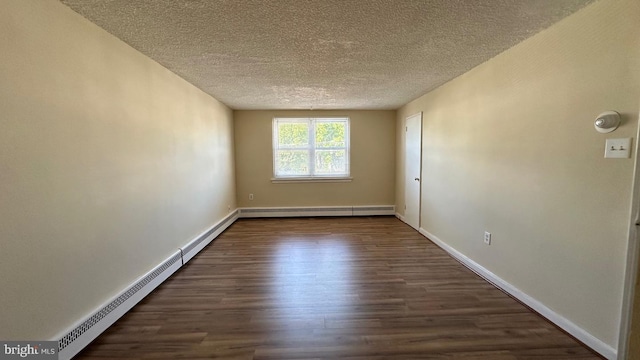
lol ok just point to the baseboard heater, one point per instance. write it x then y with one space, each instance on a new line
255 212
192 248
71 342
81 335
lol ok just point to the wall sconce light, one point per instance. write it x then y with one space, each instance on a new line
607 122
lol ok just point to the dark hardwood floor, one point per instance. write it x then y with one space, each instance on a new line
329 288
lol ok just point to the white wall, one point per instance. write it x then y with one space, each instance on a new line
108 163
509 147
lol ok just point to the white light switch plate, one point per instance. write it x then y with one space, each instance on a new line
618 148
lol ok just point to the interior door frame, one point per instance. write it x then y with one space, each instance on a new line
407 180
631 269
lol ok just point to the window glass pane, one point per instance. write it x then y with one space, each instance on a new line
330 134
331 162
292 134
292 163
308 147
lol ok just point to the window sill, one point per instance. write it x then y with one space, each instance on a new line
310 180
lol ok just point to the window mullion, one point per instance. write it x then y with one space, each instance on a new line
312 147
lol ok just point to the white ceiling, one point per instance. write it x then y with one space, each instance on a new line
322 54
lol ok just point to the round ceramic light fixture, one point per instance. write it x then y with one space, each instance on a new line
607 122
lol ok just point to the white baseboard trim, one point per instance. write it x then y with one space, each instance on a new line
366 210
400 217
596 344
77 337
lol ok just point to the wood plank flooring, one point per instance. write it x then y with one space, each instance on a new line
329 288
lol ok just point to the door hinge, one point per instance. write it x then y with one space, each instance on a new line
406 128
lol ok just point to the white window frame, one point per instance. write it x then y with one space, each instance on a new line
312 177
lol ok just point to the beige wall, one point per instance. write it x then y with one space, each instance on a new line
509 147
372 162
108 163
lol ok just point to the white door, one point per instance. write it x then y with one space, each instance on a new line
629 345
412 166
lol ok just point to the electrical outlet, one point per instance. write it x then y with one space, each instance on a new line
487 238
250 196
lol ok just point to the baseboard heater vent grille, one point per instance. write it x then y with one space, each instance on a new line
274 210
375 208
318 211
187 249
102 313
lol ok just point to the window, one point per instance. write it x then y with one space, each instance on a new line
310 148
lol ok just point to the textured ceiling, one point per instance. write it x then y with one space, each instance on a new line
322 54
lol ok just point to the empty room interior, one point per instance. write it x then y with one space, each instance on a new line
330 179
